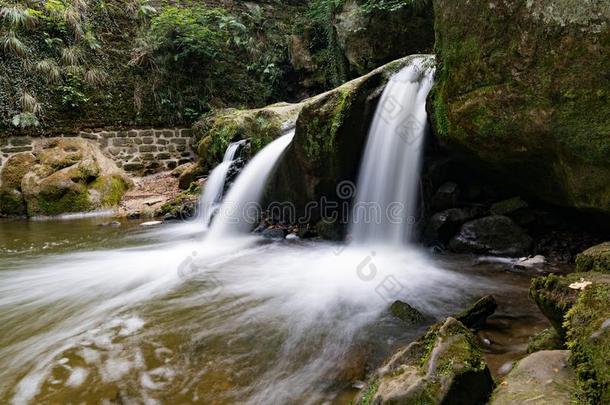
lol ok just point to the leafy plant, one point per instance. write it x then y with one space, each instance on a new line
25 120
17 16
11 44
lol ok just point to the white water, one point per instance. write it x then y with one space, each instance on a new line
216 319
240 208
387 190
214 186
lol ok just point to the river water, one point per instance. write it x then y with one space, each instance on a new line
133 314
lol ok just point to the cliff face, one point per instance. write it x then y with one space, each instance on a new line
523 91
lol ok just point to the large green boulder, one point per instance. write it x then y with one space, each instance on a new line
522 91
61 175
215 131
372 33
596 258
445 366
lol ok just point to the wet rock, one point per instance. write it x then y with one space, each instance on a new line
187 174
443 366
274 233
542 376
532 262
548 339
476 316
497 235
406 312
507 207
447 196
292 236
443 225
596 258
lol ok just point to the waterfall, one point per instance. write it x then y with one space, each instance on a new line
214 186
240 208
386 196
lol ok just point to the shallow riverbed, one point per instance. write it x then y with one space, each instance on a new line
161 315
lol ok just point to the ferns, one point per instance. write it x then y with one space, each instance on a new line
29 104
71 55
49 69
16 16
11 44
95 77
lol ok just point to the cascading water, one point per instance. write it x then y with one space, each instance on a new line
214 186
239 208
386 195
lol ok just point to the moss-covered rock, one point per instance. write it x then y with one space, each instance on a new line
62 175
11 198
217 130
406 312
520 93
596 258
578 306
541 378
548 339
443 366
476 315
588 338
371 34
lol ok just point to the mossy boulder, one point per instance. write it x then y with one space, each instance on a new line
596 258
60 176
541 378
406 312
578 306
588 338
331 132
476 315
370 36
443 366
522 92
215 131
13 171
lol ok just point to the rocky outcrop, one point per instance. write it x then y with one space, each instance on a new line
596 258
529 104
542 376
214 132
578 306
370 35
60 175
496 234
443 366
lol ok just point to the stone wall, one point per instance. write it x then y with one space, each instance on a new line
137 151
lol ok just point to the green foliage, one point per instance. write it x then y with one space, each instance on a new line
372 6
25 120
72 92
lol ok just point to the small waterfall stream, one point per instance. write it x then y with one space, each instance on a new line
386 195
214 186
239 209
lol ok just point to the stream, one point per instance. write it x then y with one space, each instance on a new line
136 314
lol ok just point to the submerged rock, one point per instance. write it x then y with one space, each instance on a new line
596 258
443 366
548 339
542 376
497 235
406 312
274 233
476 316
549 138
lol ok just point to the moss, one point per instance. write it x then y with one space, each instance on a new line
111 189
520 113
554 298
596 258
11 203
588 339
369 394
548 339
74 200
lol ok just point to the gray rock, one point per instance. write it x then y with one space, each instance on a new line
541 378
444 225
496 234
274 233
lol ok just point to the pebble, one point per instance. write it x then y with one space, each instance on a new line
151 223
